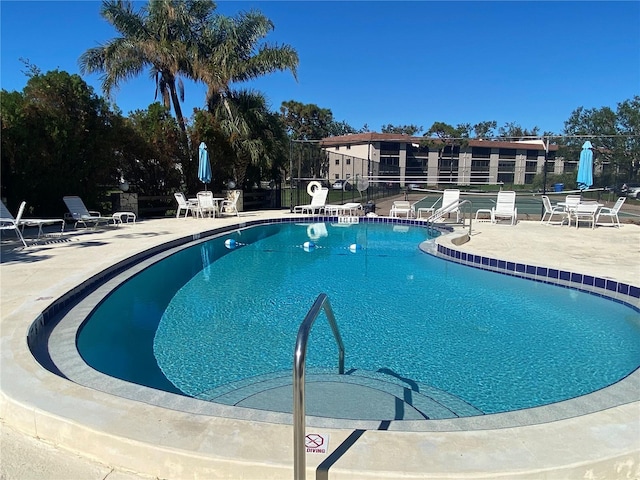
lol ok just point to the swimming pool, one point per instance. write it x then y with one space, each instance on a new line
496 342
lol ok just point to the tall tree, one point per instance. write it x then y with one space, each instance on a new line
442 135
446 137
306 121
485 129
57 139
311 122
629 125
614 134
151 155
206 128
159 38
513 131
402 129
255 134
230 51
337 128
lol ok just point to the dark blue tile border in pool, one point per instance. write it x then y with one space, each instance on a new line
620 292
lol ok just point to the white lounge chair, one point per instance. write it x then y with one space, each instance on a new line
186 205
552 210
229 206
8 222
505 207
81 214
586 211
350 207
402 207
612 212
318 201
450 204
31 222
316 231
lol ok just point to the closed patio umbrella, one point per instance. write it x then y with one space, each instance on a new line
204 166
585 167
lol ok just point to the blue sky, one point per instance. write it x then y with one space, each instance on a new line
374 62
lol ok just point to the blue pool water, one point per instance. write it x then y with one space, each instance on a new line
208 316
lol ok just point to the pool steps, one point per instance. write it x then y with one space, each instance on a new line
356 395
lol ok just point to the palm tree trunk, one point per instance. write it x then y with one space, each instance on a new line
177 108
241 170
183 128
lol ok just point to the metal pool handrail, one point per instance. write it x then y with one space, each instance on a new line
299 355
437 216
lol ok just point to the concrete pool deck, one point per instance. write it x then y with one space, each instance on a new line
70 431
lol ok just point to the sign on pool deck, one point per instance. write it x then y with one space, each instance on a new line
316 443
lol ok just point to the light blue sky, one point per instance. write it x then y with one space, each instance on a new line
373 62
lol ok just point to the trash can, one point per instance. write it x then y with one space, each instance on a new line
369 207
558 187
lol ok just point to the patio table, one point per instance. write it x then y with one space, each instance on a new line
571 208
193 202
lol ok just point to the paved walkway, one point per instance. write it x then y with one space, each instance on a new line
32 278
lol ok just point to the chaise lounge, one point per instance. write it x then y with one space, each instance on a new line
81 214
318 201
505 208
18 223
450 204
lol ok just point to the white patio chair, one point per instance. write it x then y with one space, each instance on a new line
229 206
570 204
612 212
586 211
184 204
8 222
505 207
206 205
551 210
402 207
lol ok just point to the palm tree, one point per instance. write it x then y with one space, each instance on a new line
255 134
160 38
171 38
230 52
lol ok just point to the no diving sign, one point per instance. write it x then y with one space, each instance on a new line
316 443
